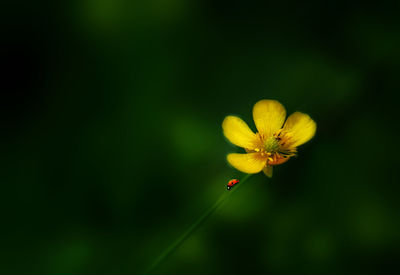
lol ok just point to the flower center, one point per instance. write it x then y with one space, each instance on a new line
271 145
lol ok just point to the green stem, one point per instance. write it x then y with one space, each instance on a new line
195 225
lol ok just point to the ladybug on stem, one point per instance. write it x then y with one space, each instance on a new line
232 183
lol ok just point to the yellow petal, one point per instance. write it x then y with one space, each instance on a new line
268 171
300 127
247 163
269 116
237 132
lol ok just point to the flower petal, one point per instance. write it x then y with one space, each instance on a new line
247 163
237 132
268 171
278 160
300 127
269 116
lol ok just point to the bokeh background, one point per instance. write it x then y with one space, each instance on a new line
111 141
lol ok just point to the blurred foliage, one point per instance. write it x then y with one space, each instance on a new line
111 141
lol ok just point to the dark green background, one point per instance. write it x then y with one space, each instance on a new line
111 140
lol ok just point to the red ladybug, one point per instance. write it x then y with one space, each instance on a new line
232 183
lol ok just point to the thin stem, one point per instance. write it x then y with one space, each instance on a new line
195 225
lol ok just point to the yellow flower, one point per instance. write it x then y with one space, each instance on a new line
273 144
